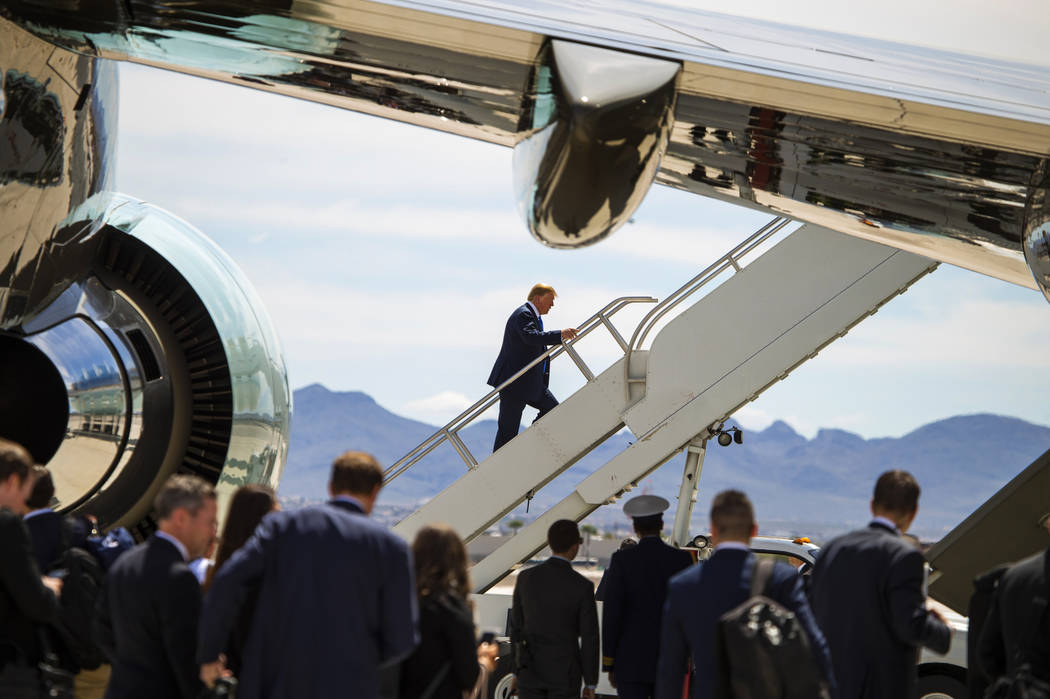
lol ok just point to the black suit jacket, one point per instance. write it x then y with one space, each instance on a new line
47 530
1018 626
523 341
867 594
24 600
633 604
555 616
336 602
446 638
147 624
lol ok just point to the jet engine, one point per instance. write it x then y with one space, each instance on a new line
131 346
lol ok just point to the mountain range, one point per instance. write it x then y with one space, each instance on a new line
815 487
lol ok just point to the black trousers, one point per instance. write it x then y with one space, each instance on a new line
635 690
511 407
530 693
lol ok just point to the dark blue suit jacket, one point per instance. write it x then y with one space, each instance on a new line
632 606
47 530
698 596
336 601
147 624
523 341
867 596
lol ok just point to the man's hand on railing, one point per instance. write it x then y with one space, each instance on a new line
569 334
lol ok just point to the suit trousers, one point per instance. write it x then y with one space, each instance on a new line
526 693
511 407
635 690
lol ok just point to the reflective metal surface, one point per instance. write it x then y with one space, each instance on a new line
601 120
1037 231
58 108
922 149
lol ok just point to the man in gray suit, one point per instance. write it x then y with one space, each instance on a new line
554 623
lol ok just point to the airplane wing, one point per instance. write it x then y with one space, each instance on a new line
929 151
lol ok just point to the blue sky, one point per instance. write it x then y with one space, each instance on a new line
389 257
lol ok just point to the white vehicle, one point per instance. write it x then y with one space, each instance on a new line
940 676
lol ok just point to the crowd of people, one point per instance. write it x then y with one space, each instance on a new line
325 602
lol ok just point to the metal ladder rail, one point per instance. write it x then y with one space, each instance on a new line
727 261
450 431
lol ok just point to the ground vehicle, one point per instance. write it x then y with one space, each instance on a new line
940 676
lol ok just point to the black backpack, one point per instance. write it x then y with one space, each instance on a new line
82 582
762 651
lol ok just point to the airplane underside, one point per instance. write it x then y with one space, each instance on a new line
159 357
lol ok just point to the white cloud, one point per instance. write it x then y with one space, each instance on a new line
979 333
442 407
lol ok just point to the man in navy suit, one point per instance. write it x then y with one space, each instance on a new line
633 600
867 594
150 602
47 528
699 595
336 596
523 341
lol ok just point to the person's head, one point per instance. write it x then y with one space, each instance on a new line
249 504
441 562
732 517
896 498
185 509
627 543
43 489
564 538
651 525
542 297
357 474
15 481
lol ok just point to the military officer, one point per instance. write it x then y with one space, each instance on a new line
634 593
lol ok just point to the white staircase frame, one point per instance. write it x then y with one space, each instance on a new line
793 300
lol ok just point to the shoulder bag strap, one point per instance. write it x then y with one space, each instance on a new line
760 574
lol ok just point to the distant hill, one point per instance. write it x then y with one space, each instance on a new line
798 485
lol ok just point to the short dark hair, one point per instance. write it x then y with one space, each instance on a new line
733 514
563 535
896 492
43 489
14 460
355 472
649 525
182 492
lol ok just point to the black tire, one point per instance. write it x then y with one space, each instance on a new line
940 686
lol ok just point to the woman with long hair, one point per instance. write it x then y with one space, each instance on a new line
448 663
248 506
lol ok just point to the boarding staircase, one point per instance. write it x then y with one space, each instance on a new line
730 343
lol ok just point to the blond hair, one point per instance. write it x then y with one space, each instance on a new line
541 290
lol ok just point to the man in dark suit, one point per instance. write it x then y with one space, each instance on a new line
47 528
633 600
1017 630
867 594
523 341
554 623
336 599
699 595
151 601
26 599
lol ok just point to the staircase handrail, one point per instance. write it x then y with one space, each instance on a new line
730 259
450 431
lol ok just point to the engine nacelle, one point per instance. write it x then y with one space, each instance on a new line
158 359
